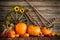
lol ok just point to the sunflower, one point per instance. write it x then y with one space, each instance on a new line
16 8
22 10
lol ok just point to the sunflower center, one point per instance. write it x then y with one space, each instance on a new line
16 8
21 10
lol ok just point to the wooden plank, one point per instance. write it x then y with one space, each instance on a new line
39 38
30 0
46 12
57 23
33 3
21 38
51 16
48 8
31 38
39 8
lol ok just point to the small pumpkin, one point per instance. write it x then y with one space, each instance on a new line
34 30
45 31
21 28
16 35
11 34
25 35
53 33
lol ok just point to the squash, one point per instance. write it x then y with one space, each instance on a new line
34 30
16 35
21 28
25 35
11 34
45 31
53 33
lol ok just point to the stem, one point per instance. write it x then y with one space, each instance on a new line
12 15
5 29
27 20
16 15
20 17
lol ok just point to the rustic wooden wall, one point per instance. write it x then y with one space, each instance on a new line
49 9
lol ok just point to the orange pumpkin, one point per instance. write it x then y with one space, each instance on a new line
34 30
53 33
16 35
21 28
45 31
11 34
25 35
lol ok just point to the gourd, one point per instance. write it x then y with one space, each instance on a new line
34 30
45 31
21 28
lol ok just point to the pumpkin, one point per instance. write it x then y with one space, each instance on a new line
45 31
11 34
53 33
21 28
34 30
25 35
16 35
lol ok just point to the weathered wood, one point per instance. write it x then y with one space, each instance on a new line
32 38
30 0
48 3
39 8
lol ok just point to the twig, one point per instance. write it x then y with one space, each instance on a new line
16 15
30 18
20 17
12 16
6 29
52 23
39 15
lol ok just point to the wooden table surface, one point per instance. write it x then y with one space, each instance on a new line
32 38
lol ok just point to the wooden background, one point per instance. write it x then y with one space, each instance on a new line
48 8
